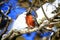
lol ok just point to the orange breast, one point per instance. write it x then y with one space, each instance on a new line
30 21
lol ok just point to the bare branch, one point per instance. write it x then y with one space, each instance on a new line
45 13
5 28
8 11
55 15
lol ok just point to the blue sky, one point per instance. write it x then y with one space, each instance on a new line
16 9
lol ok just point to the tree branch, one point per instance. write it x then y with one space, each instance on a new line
45 14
